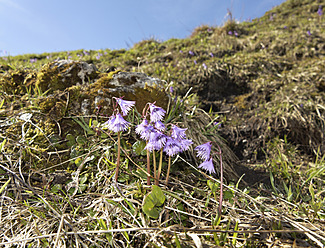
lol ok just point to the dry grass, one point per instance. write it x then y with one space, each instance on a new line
106 214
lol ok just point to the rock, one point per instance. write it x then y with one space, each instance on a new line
62 74
84 69
67 87
133 86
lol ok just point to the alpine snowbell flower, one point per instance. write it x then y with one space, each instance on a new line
125 105
178 133
171 147
208 165
117 123
156 141
203 151
110 121
156 113
142 126
160 126
145 134
185 144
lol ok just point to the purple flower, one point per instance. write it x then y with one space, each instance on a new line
320 11
236 34
211 54
157 140
230 32
185 144
125 105
191 53
180 51
204 66
117 123
145 134
285 27
309 33
171 146
171 89
178 133
160 126
142 127
156 113
218 124
203 151
195 62
110 121
208 165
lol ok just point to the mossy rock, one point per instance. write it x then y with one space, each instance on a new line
62 74
131 85
13 81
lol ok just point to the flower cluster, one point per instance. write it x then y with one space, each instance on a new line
157 136
203 152
154 133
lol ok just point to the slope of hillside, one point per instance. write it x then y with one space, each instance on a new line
256 89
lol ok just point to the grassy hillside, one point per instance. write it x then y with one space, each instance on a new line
256 89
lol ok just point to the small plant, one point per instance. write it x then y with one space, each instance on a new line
153 201
159 138
116 123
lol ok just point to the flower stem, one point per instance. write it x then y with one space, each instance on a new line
118 155
160 165
154 166
148 167
221 182
168 170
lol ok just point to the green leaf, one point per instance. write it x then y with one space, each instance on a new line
93 123
158 195
138 147
4 186
311 190
1 104
132 208
84 125
2 144
213 186
149 207
178 244
152 201
228 195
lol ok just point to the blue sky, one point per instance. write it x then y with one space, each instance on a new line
38 26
